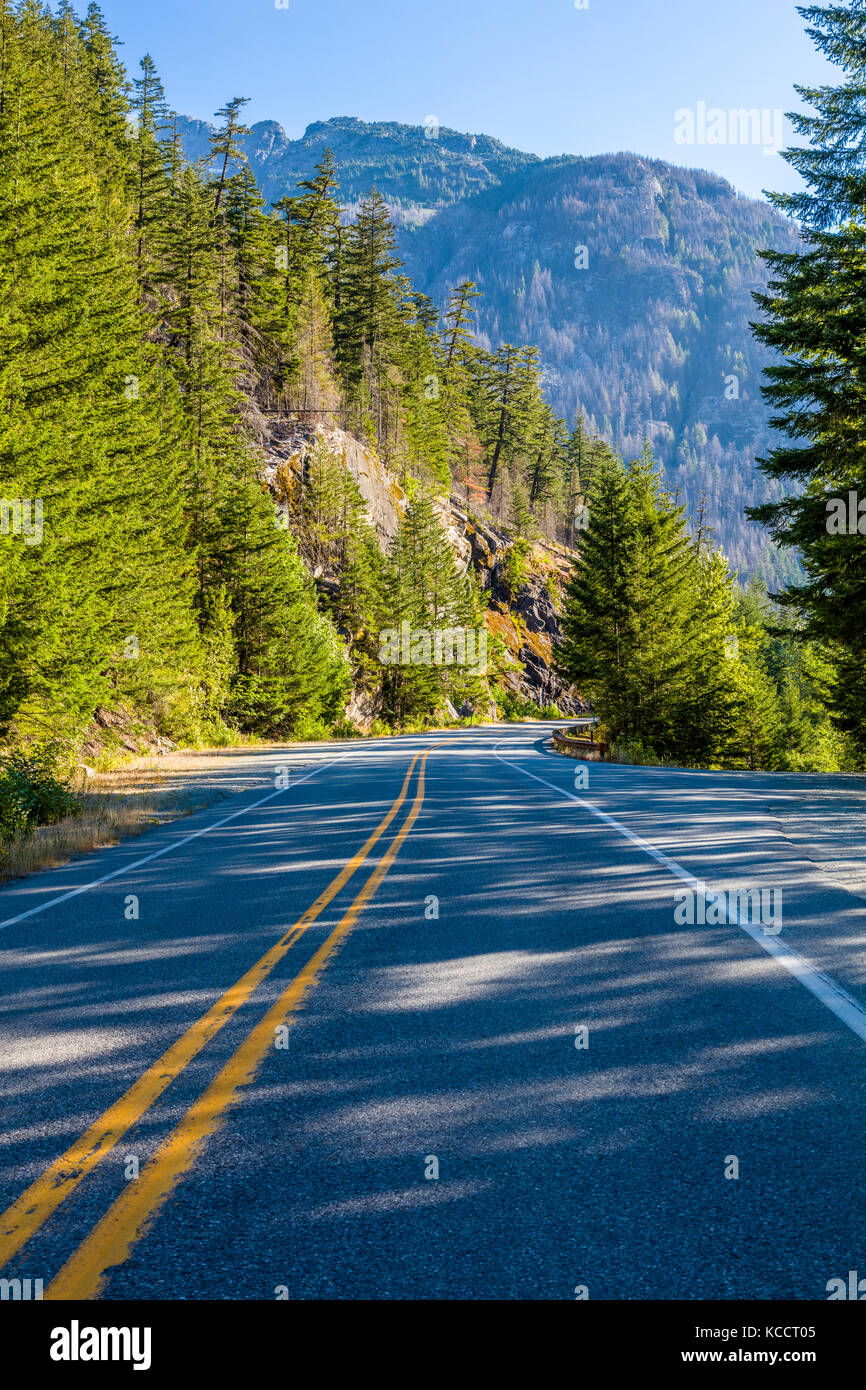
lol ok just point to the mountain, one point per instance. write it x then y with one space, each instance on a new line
418 171
633 276
652 339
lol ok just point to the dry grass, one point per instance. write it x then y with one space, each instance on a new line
119 804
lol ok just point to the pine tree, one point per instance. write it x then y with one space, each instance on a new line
456 352
288 657
319 214
459 322
424 589
370 315
506 382
151 180
660 606
252 284
547 466
597 620
102 596
632 641
710 709
815 317
226 148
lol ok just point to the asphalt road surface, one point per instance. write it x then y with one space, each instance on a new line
424 1024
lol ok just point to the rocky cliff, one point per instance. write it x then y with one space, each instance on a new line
522 602
524 614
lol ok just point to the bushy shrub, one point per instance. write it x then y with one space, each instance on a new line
514 709
310 728
34 789
344 728
549 712
633 752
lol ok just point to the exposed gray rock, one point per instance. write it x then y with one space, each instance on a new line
290 444
363 709
525 620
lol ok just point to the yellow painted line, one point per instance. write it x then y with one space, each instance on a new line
132 1214
32 1209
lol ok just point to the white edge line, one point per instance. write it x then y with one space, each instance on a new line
166 849
833 996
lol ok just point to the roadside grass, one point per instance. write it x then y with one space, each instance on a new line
126 794
116 805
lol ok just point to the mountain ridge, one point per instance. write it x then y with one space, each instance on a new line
649 337
194 133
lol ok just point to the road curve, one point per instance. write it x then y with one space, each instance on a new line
424 1024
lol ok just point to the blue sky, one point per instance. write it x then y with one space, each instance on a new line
542 75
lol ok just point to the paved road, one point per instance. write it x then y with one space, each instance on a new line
538 1090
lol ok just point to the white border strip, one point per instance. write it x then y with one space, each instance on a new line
832 996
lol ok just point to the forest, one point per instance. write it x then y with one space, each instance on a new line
632 276
156 317
630 638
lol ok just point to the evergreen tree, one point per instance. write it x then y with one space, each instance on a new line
506 383
647 621
97 608
225 146
151 181
370 314
710 709
815 317
597 619
424 589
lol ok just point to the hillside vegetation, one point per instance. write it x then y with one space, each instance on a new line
155 319
163 577
633 278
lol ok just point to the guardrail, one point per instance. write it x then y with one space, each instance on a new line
583 748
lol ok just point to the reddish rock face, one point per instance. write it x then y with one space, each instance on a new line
524 617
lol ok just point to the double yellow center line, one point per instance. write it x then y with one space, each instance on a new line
130 1217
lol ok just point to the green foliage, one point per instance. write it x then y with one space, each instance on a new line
34 789
678 665
632 752
627 606
343 728
308 728
152 312
683 258
424 589
682 666
815 318
140 315
515 564
804 736
514 709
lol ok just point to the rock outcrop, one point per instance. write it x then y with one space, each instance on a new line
122 731
525 617
522 613
288 446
